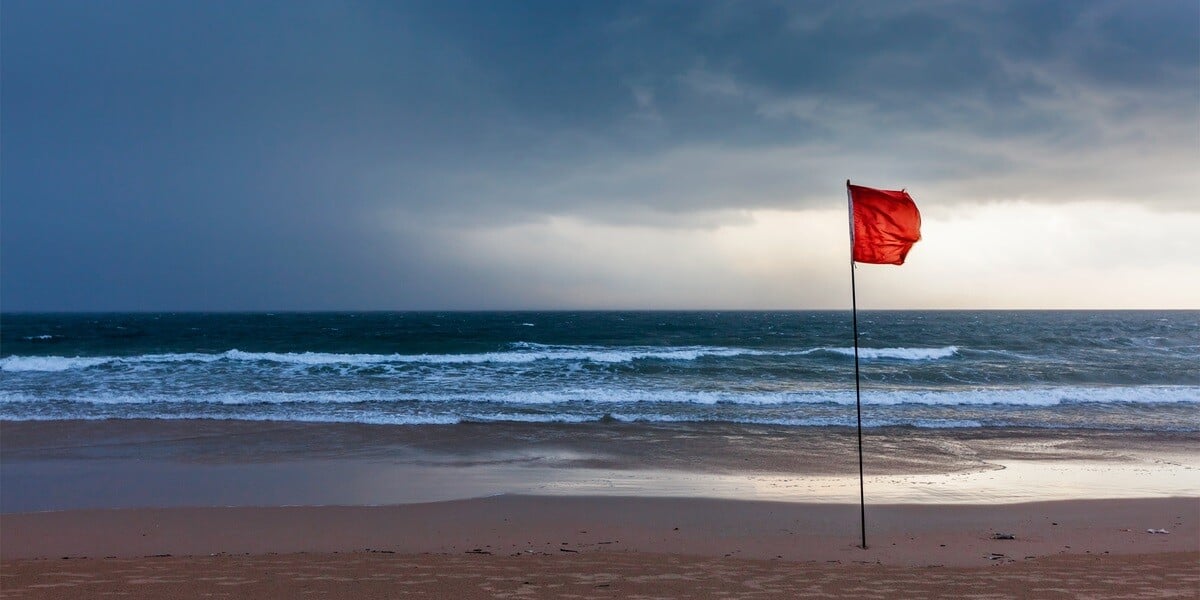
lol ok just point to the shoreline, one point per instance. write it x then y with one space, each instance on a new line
715 447
67 465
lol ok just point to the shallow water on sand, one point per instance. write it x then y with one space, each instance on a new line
121 464
62 485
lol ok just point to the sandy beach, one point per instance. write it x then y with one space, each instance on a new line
375 575
600 510
638 300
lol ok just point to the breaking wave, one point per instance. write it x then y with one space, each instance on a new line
1042 397
520 352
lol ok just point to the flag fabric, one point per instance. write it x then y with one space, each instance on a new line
885 224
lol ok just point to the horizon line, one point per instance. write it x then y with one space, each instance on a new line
564 310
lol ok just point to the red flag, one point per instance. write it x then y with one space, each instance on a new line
886 224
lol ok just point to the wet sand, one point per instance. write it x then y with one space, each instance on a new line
601 510
127 464
708 447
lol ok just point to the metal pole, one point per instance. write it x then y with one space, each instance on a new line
862 496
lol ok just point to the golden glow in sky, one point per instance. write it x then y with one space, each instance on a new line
995 255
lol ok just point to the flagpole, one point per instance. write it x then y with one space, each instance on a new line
862 495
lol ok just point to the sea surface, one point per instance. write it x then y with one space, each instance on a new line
1137 370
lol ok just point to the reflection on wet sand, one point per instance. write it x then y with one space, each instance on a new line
68 465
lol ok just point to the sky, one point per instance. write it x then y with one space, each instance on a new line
181 155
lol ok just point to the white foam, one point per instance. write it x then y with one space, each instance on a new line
50 363
847 421
604 354
898 353
518 353
309 358
1045 396
374 419
271 417
1033 397
66 363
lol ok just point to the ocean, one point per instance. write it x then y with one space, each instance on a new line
1111 370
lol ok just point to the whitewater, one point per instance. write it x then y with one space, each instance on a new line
1091 369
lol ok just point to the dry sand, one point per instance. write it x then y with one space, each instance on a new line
901 535
366 575
543 547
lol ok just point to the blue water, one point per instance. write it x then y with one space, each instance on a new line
1091 369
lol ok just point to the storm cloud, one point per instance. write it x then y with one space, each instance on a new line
361 155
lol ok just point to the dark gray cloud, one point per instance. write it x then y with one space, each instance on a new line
321 155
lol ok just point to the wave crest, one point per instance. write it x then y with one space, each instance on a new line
898 353
1031 397
517 353
50 363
